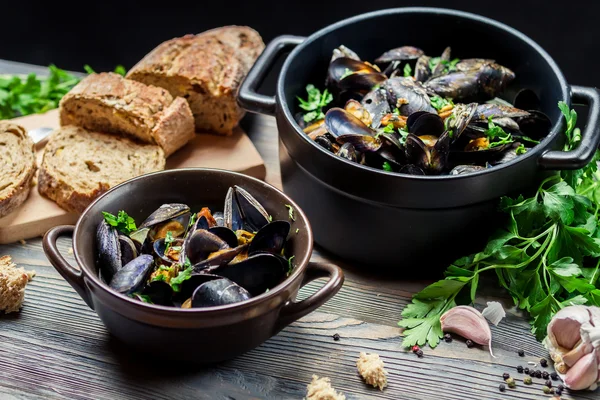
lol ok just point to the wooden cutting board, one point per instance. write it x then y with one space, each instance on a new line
38 214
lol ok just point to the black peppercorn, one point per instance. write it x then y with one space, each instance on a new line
545 375
502 387
532 373
560 386
520 369
336 337
538 374
419 353
470 343
505 376
558 392
548 383
554 376
526 370
544 363
448 337
521 353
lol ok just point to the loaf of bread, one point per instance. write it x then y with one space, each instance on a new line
207 70
108 102
12 285
17 166
80 165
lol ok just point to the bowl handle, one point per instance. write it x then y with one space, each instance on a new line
72 275
292 310
248 97
590 135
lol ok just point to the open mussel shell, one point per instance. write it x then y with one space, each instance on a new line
108 250
347 151
271 238
201 243
325 143
141 240
343 51
362 143
478 154
536 125
160 247
340 122
226 234
361 82
164 213
189 285
472 63
128 249
431 159
219 218
407 95
375 102
243 211
425 123
461 117
527 99
256 274
403 53
218 292
340 66
220 257
497 111
411 169
159 292
356 108
422 70
133 275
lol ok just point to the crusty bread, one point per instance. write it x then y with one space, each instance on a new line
207 70
17 166
108 102
12 285
80 165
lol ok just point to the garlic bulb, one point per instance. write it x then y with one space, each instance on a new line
574 344
468 323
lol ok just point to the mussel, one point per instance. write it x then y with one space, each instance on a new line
242 211
347 151
108 247
403 53
431 159
133 275
346 73
270 238
218 292
407 95
343 51
422 70
346 128
376 103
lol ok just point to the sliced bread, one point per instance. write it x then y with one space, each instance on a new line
108 102
207 70
80 165
17 163
12 285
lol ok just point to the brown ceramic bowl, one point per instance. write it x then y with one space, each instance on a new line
226 331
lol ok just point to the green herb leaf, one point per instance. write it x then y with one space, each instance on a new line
438 102
159 277
387 166
88 69
407 71
181 277
520 149
291 212
290 264
314 103
123 222
119 69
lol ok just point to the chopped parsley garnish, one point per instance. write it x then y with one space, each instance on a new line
438 102
396 111
181 277
291 212
403 136
169 239
193 218
142 297
407 71
389 128
159 277
315 102
386 166
497 135
123 222
449 66
270 218
521 149
297 230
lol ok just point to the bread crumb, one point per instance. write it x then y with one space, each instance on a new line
370 367
22 241
12 285
320 389
70 251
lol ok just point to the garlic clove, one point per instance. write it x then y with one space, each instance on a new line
581 349
494 312
564 329
468 323
584 374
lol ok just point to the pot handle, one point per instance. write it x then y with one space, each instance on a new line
72 275
590 135
292 310
248 97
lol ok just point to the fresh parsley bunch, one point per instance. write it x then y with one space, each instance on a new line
315 102
547 257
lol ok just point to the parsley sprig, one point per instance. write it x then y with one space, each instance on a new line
122 221
315 102
438 102
449 66
547 257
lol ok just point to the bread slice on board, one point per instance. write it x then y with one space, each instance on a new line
12 285
80 165
108 102
17 166
207 70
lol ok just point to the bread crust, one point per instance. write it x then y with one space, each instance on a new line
79 165
207 70
107 102
20 162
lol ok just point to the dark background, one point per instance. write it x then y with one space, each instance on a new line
107 33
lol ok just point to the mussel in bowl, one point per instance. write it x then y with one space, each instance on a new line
415 113
187 259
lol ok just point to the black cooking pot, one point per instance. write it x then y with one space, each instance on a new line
390 219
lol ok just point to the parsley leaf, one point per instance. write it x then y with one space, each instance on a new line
291 212
181 277
497 135
407 71
314 103
386 166
520 149
438 102
290 265
123 222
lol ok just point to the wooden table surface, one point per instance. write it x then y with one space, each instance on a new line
57 347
